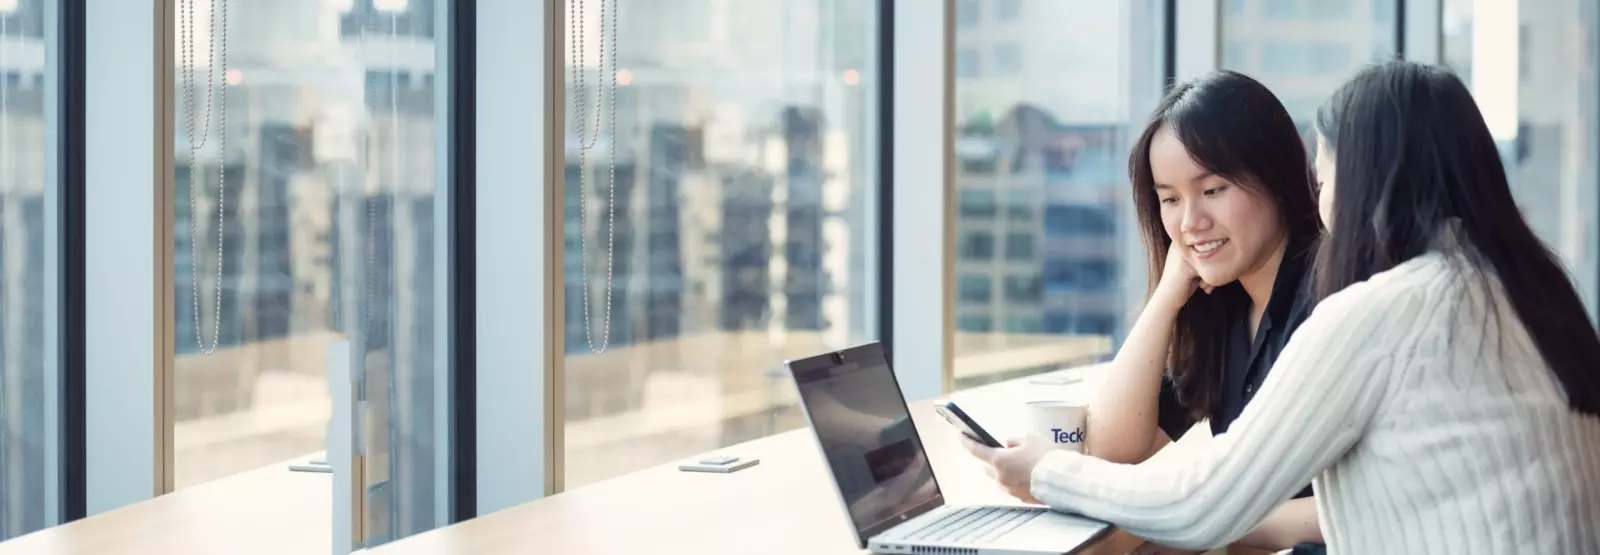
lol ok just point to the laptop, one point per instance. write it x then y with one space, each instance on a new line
886 483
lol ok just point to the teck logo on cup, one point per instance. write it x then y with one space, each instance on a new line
1074 436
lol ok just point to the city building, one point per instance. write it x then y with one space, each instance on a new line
22 251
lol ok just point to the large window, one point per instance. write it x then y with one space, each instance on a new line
23 374
1040 143
1304 49
723 224
1531 68
307 206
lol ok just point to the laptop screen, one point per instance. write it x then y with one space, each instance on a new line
860 419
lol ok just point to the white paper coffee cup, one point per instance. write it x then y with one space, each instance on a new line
1063 423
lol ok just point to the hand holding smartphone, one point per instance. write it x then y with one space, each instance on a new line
964 422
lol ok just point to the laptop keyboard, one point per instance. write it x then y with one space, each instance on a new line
973 525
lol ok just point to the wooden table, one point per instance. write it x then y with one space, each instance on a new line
786 504
267 510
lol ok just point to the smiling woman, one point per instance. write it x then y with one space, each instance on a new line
1226 232
1224 196
1223 191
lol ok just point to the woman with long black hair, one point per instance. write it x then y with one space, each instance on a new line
1455 374
1228 210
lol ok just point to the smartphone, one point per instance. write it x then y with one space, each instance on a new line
719 464
959 418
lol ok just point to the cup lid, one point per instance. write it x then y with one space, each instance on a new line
1051 403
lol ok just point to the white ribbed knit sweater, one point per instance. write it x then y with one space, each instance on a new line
1424 426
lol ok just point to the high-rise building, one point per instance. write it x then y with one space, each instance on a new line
329 228
1038 245
742 215
22 270
1535 86
1551 160
1041 147
718 172
1303 50
393 312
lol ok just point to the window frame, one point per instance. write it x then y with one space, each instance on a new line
517 339
1594 125
923 125
64 272
115 444
457 469
71 232
117 65
1419 31
502 452
127 325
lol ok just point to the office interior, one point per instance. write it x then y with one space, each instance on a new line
547 244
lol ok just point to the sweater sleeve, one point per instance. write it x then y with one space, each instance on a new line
1212 493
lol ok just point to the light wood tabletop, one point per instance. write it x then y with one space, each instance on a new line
267 510
785 504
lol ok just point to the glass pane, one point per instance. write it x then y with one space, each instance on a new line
968 13
974 288
317 142
1042 143
22 268
743 221
1531 67
1304 49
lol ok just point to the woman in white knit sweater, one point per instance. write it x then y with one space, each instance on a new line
1456 374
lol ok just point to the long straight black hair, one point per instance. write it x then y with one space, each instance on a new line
1234 127
1413 156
